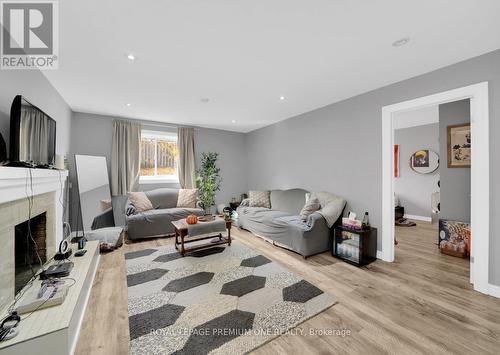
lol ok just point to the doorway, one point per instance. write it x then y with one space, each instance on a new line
479 118
432 192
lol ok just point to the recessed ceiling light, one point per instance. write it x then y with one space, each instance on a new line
131 57
233 121
401 42
128 104
205 100
282 98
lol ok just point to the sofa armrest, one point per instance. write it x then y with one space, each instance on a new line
103 220
245 202
313 218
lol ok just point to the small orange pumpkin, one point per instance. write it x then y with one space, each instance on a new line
191 219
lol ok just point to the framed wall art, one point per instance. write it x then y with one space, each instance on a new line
459 146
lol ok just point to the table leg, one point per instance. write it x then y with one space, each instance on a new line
229 236
182 245
176 242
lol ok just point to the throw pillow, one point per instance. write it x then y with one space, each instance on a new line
140 201
312 205
260 199
187 198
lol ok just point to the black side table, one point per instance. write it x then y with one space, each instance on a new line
358 247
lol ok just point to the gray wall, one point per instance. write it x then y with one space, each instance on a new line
414 190
33 85
455 182
91 135
338 148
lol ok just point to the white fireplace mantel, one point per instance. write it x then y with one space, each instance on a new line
21 183
52 330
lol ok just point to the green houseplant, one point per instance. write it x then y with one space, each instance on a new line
208 180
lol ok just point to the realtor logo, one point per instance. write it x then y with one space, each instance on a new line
29 35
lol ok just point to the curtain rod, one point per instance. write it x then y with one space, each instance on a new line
158 124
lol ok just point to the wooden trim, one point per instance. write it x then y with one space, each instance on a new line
448 144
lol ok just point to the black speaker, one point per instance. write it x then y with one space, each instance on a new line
3 150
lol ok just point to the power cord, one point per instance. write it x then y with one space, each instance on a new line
12 313
29 191
29 236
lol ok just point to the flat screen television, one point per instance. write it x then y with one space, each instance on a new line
32 135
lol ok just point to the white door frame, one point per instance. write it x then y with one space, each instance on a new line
480 177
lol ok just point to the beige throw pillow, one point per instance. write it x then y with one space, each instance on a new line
187 198
311 206
259 199
140 201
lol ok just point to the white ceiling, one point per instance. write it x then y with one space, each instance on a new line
243 55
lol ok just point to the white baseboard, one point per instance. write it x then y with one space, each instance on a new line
418 218
380 255
494 290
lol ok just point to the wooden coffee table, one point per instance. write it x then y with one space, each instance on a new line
181 232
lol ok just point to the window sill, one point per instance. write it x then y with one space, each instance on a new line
154 180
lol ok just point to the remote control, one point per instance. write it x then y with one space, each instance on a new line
81 252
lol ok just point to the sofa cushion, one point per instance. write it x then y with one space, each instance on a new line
290 201
311 206
259 199
291 232
140 201
163 198
187 198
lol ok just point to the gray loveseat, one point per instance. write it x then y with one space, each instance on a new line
282 224
157 222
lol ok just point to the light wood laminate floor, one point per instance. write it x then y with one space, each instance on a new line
420 304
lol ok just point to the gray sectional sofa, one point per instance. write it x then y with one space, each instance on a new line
157 222
282 225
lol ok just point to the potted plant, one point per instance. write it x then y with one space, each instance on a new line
208 179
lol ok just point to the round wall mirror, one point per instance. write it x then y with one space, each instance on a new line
424 161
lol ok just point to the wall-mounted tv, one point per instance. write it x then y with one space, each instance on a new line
32 135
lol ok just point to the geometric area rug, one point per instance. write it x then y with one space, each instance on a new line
222 300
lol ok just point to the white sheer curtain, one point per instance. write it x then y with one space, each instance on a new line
125 157
186 157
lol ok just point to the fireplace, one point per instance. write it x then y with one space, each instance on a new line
30 247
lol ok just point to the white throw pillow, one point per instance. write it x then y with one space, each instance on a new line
187 198
140 201
311 206
259 199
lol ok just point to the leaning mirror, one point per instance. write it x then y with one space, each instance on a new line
424 161
95 196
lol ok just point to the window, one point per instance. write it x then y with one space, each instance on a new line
159 157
